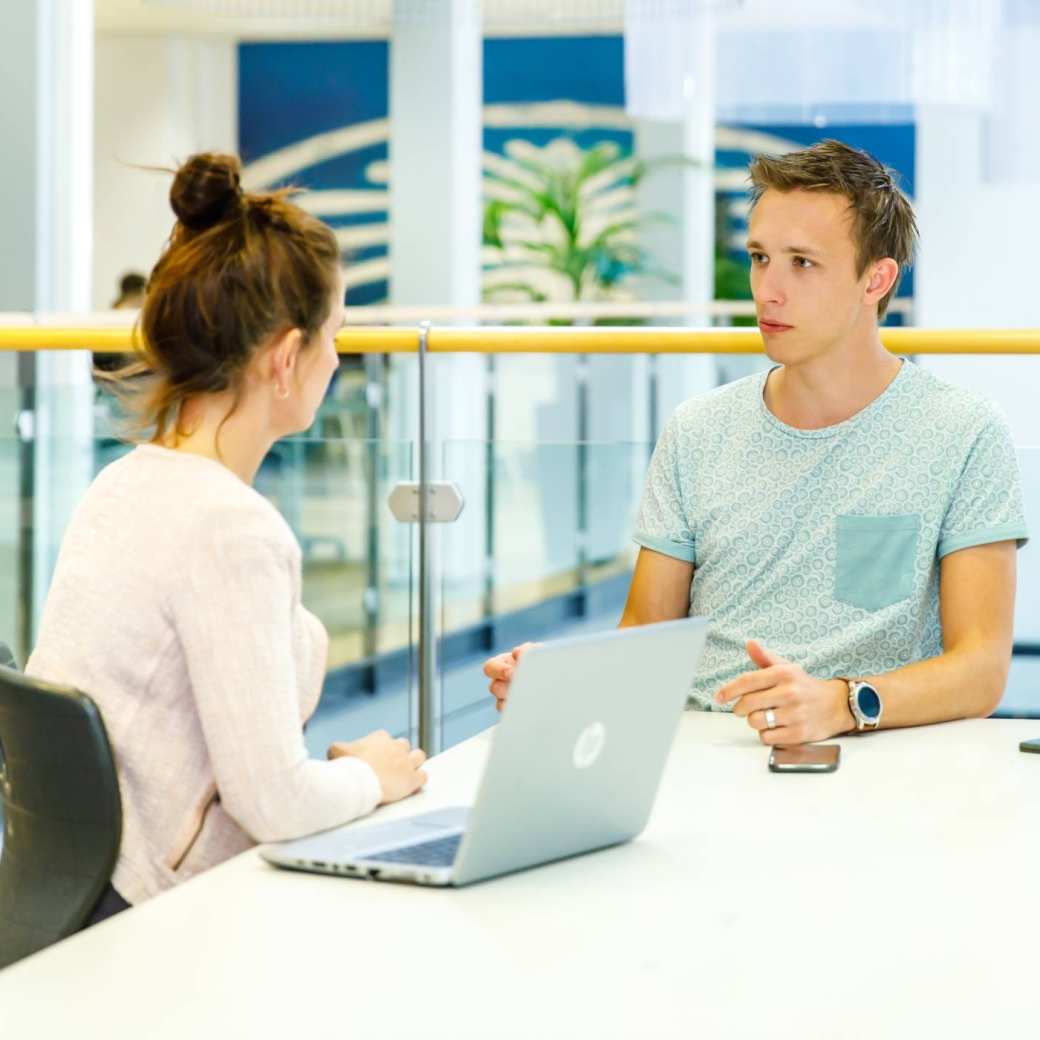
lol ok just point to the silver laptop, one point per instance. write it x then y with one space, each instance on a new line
574 766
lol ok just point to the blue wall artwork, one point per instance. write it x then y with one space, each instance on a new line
316 115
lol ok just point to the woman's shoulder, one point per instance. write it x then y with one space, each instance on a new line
188 495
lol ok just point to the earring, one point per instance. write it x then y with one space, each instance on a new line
281 392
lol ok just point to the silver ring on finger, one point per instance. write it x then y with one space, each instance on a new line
770 718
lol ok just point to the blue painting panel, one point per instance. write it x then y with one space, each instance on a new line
530 69
291 91
547 68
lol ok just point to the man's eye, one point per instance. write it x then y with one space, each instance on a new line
803 262
758 258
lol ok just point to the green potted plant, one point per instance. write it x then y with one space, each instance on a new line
561 223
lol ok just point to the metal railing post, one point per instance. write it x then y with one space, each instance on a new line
428 730
490 489
25 622
651 390
426 502
582 462
374 398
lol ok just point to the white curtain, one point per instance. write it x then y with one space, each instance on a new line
1012 128
816 61
661 72
847 61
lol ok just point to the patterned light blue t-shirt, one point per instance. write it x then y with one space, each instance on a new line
825 544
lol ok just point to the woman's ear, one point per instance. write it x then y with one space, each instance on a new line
282 357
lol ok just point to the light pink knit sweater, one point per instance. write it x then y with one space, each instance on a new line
176 606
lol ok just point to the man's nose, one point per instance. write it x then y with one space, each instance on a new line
766 288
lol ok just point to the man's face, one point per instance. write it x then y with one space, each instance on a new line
808 297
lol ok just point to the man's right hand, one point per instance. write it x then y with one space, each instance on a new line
660 591
500 671
395 762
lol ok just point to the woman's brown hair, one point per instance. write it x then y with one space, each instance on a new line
237 269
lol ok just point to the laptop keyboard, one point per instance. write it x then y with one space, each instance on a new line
440 852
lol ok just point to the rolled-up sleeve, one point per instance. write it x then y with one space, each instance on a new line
986 504
663 524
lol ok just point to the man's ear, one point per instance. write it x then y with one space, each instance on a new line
282 357
883 275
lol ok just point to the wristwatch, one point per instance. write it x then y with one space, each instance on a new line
865 705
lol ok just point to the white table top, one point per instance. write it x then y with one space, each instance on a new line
897 897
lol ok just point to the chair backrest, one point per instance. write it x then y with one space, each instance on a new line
62 815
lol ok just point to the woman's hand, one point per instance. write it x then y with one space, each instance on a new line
395 762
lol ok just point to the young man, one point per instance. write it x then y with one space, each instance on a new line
847 521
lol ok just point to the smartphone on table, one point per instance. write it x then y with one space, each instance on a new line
805 758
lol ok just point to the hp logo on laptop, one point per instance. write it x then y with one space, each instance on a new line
589 745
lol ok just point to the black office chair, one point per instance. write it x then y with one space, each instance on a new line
63 819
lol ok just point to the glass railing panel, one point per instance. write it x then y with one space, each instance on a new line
546 530
535 532
10 541
517 543
358 576
358 561
1022 697
501 590
528 559
534 478
615 474
11 567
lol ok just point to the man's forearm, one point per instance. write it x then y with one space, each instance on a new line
958 684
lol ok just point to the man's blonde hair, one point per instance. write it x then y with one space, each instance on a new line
883 219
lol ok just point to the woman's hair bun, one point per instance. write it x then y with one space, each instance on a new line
206 189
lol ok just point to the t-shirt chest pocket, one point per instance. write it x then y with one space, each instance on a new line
875 559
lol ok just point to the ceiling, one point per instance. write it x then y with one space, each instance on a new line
279 19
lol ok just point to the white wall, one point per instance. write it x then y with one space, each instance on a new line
977 264
977 269
158 99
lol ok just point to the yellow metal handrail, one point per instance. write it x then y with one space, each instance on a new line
660 340
521 339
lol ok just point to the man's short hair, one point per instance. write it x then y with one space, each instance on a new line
883 219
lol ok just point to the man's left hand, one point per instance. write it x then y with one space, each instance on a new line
801 709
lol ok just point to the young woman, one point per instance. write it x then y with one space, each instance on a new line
176 598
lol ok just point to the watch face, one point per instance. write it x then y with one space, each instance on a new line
869 702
